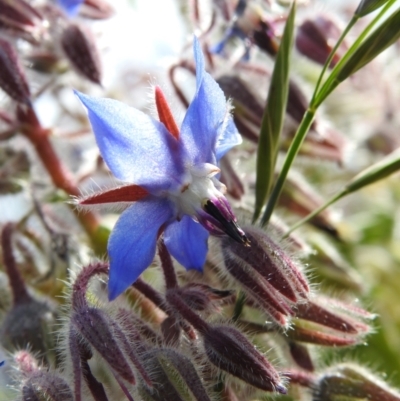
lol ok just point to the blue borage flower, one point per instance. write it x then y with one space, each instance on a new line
174 174
71 7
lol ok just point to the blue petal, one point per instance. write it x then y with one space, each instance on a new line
132 243
186 241
71 7
204 128
136 148
228 138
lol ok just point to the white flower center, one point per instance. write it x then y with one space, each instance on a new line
199 186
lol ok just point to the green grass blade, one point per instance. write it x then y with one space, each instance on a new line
291 155
379 40
368 6
331 83
387 166
273 116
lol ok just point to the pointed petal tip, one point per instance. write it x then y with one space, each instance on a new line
280 388
115 288
81 96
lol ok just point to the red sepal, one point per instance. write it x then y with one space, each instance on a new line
165 114
127 193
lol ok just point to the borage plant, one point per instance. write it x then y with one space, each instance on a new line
241 321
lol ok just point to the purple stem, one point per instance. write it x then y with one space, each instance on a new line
167 265
18 287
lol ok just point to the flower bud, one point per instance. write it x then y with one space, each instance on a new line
314 39
18 12
301 356
101 332
12 76
314 311
329 322
259 290
39 383
29 325
352 382
29 321
94 326
232 352
265 38
248 107
80 48
180 370
96 9
266 273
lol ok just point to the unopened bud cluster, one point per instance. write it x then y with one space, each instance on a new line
250 322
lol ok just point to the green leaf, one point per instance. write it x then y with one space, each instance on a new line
365 49
379 40
368 6
387 166
273 116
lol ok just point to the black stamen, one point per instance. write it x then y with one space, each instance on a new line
230 227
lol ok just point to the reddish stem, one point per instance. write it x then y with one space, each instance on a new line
181 307
167 265
59 173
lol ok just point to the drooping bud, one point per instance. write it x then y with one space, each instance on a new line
322 142
259 290
353 383
232 352
181 370
80 353
29 322
267 274
94 326
265 38
12 76
327 321
39 383
248 107
301 356
96 9
229 350
18 12
80 48
315 38
102 332
163 387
